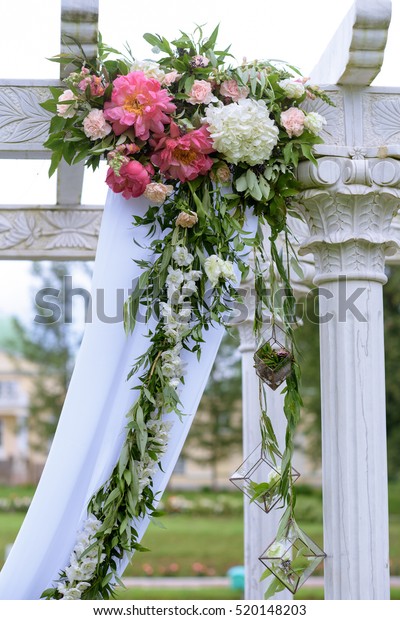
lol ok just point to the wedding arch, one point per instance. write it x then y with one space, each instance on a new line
350 201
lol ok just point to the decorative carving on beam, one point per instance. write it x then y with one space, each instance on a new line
46 232
334 130
24 124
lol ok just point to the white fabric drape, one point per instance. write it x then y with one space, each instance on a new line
91 428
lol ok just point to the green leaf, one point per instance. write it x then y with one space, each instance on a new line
55 160
241 183
251 179
274 587
113 496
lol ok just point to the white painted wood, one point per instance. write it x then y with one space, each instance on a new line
355 54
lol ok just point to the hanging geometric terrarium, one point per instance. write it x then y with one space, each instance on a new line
293 557
259 478
273 362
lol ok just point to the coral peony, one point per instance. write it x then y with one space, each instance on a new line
131 180
183 157
139 102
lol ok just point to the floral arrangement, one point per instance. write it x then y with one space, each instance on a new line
207 143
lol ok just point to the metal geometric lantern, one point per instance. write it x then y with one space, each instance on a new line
273 363
259 478
292 558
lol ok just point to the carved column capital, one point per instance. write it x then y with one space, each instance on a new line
348 204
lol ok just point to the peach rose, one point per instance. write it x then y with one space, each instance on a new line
201 92
186 220
293 121
230 88
157 192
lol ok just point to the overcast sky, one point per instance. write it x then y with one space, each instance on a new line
291 30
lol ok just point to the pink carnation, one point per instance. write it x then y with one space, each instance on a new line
183 157
131 180
293 121
95 126
139 102
230 88
201 93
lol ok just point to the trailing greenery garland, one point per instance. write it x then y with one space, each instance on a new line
180 132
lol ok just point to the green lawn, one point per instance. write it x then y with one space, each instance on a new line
221 594
206 544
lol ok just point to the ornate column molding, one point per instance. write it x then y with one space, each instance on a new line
349 204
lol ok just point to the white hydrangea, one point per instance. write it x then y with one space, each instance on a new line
314 122
242 131
292 88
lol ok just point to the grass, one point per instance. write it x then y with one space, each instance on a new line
207 544
209 594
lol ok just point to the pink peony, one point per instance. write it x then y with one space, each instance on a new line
95 125
293 121
139 102
131 180
67 110
230 88
201 93
183 157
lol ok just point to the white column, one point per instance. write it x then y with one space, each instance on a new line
259 528
349 221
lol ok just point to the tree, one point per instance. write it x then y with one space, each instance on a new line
217 427
308 339
50 344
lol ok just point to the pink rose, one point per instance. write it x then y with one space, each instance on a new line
131 180
293 121
201 92
96 87
67 110
170 78
230 88
95 125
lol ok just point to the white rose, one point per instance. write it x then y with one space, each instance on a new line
292 88
314 122
67 110
150 68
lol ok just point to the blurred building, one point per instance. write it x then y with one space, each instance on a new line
19 463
